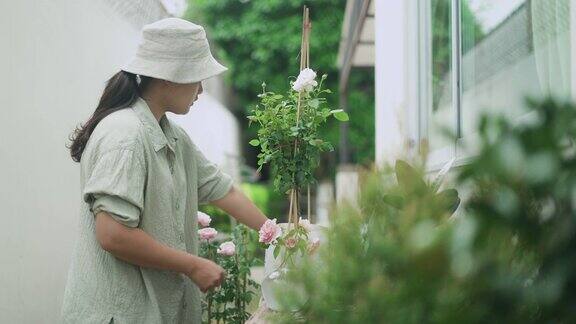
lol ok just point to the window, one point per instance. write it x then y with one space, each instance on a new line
442 111
487 56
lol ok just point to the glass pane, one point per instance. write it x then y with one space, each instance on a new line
443 112
511 49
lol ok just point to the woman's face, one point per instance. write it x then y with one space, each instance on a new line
179 97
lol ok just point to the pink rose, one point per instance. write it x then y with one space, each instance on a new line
203 219
207 233
270 231
313 245
291 242
227 249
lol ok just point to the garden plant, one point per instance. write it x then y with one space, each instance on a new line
507 256
228 303
290 141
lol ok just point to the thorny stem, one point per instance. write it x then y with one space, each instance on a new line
210 293
244 275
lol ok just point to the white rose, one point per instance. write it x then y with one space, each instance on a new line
305 223
305 80
274 275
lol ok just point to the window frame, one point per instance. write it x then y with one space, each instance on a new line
438 157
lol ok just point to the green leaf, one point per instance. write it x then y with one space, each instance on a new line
394 200
449 199
314 103
409 179
340 114
316 142
255 142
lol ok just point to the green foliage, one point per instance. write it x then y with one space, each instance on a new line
260 40
227 303
220 219
524 206
412 182
374 251
509 258
289 133
362 129
258 194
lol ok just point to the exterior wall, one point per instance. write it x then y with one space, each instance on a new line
496 74
573 48
395 79
55 59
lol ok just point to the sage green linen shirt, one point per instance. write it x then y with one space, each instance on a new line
150 175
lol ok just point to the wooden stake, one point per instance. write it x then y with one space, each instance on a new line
304 63
308 205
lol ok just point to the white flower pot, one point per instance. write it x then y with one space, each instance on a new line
274 275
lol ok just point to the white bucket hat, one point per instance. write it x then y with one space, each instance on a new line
176 50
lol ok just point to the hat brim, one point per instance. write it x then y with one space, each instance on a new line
179 71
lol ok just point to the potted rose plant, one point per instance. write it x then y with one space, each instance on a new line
290 141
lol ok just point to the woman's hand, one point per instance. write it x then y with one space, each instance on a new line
206 274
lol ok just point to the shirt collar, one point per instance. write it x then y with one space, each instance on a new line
161 132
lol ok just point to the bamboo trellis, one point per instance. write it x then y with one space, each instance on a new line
293 212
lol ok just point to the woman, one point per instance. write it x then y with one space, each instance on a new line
142 179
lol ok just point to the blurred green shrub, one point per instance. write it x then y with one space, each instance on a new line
259 194
221 221
510 257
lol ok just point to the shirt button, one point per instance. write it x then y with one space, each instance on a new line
177 205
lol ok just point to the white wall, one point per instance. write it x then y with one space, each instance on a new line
55 58
573 47
395 78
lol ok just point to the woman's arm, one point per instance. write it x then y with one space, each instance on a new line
236 204
138 247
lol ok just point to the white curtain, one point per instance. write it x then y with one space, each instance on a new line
552 46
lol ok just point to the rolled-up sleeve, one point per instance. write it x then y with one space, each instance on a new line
213 183
115 184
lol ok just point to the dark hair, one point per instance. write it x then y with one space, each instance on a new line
121 91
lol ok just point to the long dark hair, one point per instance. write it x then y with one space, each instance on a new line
121 91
